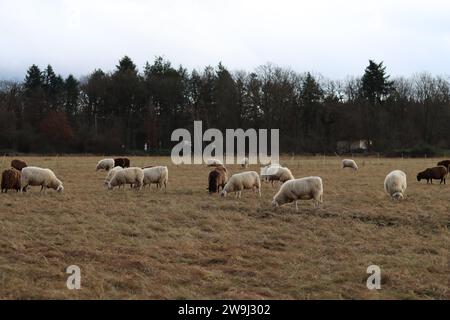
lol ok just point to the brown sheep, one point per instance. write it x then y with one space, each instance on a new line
10 180
18 164
217 178
445 163
439 172
122 162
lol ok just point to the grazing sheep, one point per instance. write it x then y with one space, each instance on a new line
349 163
122 162
105 164
282 174
269 170
300 189
111 173
18 164
439 172
10 180
395 184
133 175
214 163
241 181
244 163
158 175
217 178
35 176
445 163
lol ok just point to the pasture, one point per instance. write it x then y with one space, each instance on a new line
187 244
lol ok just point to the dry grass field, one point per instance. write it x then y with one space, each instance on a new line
188 244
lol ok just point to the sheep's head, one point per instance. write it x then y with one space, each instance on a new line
60 188
223 193
110 186
420 176
398 196
275 203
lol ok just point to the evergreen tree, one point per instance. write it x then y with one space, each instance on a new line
34 78
72 92
375 83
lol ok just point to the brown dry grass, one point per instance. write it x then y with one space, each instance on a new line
188 244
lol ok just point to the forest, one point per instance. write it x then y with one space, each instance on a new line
120 111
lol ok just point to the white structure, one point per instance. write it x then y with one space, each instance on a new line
353 145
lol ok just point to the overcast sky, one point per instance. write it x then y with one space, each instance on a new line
334 38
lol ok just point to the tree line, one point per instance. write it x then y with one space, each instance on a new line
120 111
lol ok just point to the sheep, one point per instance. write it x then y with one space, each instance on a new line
10 180
269 170
105 164
35 176
158 175
217 178
349 163
439 172
133 175
111 173
122 162
395 184
244 163
241 181
18 164
445 163
300 189
213 163
282 174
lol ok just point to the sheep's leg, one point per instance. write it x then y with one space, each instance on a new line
259 191
296 205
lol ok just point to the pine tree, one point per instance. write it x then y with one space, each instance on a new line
375 83
72 92
34 78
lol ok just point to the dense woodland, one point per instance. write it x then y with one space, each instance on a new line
120 111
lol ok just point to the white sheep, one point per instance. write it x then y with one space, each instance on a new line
111 173
241 181
395 184
213 163
105 164
158 175
35 176
133 175
281 174
300 189
349 163
244 162
269 170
